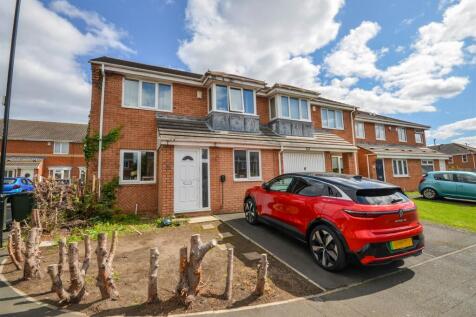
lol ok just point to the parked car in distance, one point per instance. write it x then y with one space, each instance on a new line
448 184
340 217
13 185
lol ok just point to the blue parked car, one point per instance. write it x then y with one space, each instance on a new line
13 185
448 184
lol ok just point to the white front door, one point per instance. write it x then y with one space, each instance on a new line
28 173
295 162
442 165
187 179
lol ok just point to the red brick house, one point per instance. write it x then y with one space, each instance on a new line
394 151
45 149
193 143
462 157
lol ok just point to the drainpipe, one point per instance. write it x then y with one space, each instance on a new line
279 159
353 139
101 122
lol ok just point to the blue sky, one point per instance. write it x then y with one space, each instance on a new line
413 60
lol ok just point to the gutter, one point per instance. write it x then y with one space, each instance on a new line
101 123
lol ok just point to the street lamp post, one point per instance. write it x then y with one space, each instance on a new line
6 117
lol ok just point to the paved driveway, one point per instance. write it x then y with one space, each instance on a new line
441 281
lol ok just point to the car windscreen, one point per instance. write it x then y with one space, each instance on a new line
9 180
387 196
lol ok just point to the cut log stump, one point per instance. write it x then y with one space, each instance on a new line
31 268
229 275
153 296
105 280
262 275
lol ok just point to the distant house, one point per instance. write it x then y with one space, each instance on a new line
39 149
463 157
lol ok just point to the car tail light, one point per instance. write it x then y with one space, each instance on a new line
16 186
375 214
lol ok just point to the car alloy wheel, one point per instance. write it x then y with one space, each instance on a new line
429 193
324 248
250 211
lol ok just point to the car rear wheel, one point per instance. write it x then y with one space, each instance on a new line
429 193
250 211
327 249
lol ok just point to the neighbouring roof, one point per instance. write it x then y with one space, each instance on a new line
178 130
45 131
453 148
373 117
329 102
279 88
402 151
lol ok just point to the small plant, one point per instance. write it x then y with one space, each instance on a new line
91 143
166 222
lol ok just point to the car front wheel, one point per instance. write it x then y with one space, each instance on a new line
429 193
327 249
250 211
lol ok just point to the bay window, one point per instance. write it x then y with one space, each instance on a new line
400 168
232 99
290 108
359 130
332 119
247 164
380 132
147 95
137 167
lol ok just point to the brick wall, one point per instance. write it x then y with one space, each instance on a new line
346 133
458 163
391 135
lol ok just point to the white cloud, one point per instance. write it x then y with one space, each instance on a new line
454 129
400 49
352 56
49 83
261 39
469 140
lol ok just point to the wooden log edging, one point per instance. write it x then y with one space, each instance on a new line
262 274
153 296
31 268
105 280
229 275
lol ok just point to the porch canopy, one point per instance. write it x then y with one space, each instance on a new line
23 162
173 130
404 152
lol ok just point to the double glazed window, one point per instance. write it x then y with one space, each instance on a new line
464 158
380 132
234 99
137 167
402 134
427 166
337 164
61 148
294 108
148 95
247 164
359 130
418 137
332 119
400 167
60 173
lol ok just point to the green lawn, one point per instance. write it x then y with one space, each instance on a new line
447 212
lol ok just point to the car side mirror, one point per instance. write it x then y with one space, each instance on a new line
265 186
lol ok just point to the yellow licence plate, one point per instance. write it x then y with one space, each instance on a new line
401 244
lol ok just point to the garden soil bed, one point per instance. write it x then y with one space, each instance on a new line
131 266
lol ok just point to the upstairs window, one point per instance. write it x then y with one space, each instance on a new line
332 119
234 99
380 132
147 95
293 108
402 134
359 130
61 148
272 108
419 137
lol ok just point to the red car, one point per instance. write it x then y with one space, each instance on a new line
340 216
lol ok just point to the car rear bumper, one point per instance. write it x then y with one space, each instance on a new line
380 252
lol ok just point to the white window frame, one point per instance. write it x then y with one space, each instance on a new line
248 169
340 163
61 169
428 163
404 134
276 115
382 127
420 135
326 125
357 124
229 87
279 113
156 102
464 158
139 157
398 172
451 160
61 145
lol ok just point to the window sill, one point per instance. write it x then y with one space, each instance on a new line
147 108
290 119
401 176
234 112
381 139
136 183
340 129
240 180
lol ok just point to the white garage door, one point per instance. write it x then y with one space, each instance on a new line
303 162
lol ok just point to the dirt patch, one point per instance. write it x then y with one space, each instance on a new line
131 266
